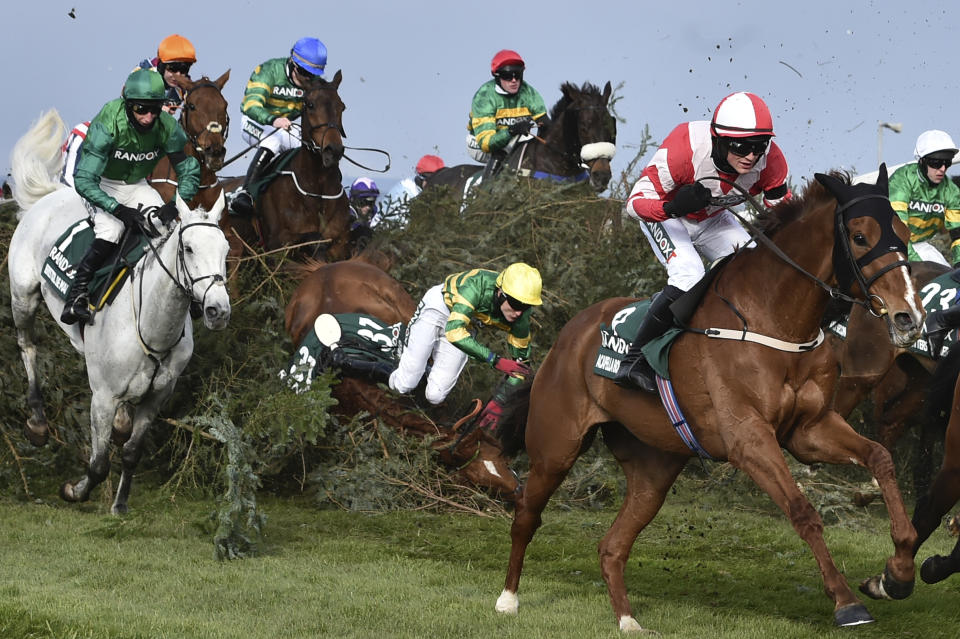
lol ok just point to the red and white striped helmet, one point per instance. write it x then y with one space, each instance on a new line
741 115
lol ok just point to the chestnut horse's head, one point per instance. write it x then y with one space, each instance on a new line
204 119
322 119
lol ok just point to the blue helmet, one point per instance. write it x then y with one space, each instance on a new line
364 187
310 55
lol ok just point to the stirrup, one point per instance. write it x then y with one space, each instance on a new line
935 340
242 204
77 311
638 375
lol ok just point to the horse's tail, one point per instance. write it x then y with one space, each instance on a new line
36 159
513 423
940 389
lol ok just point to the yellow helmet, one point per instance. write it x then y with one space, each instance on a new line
521 282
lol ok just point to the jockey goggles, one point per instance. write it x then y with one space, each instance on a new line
510 75
178 67
935 163
141 108
742 147
516 304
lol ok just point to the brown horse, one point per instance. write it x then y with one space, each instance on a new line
204 118
306 202
354 286
742 400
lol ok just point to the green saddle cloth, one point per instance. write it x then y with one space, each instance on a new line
60 266
272 171
615 341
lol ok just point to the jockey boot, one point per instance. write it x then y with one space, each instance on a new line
494 164
76 308
374 371
242 201
635 370
938 325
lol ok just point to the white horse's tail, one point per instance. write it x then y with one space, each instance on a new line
36 160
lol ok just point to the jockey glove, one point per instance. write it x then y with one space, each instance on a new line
521 128
129 216
490 416
511 367
167 212
689 198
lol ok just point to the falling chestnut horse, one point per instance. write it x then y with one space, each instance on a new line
743 400
203 117
306 202
354 286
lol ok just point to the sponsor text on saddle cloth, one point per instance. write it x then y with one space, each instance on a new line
60 266
360 336
615 340
937 295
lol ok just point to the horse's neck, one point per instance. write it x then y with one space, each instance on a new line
553 154
159 302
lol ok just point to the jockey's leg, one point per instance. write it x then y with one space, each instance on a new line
76 307
242 201
938 324
635 370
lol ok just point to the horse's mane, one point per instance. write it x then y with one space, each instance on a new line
565 101
791 210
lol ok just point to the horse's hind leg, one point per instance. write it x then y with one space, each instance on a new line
25 298
546 475
943 494
649 473
102 410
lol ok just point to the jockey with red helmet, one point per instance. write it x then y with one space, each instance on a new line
674 206
271 103
502 108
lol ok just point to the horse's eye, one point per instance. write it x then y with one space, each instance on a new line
188 249
860 239
192 107
307 105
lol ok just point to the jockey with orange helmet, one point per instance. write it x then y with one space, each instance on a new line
503 108
675 209
271 103
175 56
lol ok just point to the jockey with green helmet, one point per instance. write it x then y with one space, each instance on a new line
125 141
272 100
503 108
443 328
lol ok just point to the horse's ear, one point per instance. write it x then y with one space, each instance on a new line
607 92
218 206
182 207
882 182
222 80
831 183
337 77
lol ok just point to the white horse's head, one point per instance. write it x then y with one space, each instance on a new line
202 261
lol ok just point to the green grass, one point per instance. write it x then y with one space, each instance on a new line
710 565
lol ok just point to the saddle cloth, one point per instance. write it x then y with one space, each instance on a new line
615 340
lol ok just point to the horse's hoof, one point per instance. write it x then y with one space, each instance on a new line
119 509
631 625
871 587
935 569
507 603
37 433
894 589
852 615
66 492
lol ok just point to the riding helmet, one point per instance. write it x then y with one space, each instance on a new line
521 282
176 48
429 164
310 55
936 144
741 115
504 58
143 85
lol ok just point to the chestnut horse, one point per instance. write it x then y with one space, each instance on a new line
203 116
742 400
354 286
306 202
581 132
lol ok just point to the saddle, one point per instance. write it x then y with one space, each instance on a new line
270 173
60 266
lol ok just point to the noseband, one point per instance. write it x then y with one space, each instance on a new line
213 126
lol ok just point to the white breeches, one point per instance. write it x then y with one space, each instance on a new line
137 195
681 244
929 253
426 337
255 134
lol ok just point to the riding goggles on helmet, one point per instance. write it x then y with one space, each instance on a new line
178 67
742 147
141 108
938 163
516 304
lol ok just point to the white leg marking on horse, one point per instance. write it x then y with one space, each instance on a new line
491 468
508 603
629 624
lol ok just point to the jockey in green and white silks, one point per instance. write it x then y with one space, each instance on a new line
926 200
502 108
125 141
272 101
443 327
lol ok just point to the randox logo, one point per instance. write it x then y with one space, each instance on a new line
288 92
664 244
129 156
927 207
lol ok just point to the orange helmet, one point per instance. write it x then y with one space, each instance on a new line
176 48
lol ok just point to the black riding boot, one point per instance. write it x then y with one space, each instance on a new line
635 370
937 326
242 201
76 308
373 371
494 164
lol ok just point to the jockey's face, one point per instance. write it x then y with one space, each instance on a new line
937 170
509 313
510 79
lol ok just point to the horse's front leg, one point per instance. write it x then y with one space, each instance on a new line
143 418
753 448
833 440
103 407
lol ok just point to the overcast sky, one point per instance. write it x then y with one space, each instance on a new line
830 72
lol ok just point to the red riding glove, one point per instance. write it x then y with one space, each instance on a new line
490 415
511 367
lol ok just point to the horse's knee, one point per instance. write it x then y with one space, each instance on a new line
99 469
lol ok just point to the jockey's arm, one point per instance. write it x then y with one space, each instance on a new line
186 166
97 147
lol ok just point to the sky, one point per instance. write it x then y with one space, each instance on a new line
830 71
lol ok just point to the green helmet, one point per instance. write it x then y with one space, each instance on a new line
143 84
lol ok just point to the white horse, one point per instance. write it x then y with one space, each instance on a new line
137 347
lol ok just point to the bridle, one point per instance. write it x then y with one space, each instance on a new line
213 126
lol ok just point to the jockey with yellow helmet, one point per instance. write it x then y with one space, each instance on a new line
272 101
675 211
445 323
502 109
125 141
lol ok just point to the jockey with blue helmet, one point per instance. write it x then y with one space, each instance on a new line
363 202
272 100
